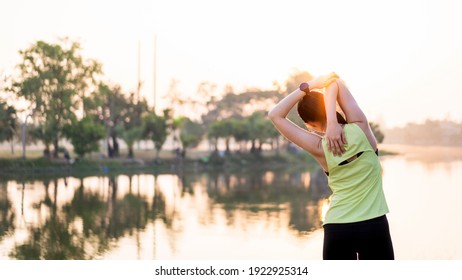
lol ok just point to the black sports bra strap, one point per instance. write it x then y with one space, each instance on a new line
357 156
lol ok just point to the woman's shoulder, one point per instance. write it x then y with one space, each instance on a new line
352 128
362 131
356 127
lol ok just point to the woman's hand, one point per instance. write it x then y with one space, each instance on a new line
322 81
335 137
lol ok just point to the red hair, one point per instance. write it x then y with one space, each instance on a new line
312 109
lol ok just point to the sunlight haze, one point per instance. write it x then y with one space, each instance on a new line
399 58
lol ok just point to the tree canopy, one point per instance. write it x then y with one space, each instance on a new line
8 123
68 98
54 78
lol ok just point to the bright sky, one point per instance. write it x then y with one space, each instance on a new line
399 58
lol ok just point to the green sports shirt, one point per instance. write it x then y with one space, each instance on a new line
357 193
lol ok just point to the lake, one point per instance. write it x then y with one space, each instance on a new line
245 215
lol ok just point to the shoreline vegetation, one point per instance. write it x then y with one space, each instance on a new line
196 161
66 97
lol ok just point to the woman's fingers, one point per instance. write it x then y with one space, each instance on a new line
344 140
336 147
329 144
336 140
342 148
331 147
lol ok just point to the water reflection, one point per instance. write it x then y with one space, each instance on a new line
247 215
150 216
7 215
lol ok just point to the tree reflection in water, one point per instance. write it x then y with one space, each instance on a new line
53 238
257 192
77 220
7 214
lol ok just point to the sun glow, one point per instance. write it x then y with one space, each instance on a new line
241 44
324 205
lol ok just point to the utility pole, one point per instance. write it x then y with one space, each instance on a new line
154 85
138 90
24 132
139 72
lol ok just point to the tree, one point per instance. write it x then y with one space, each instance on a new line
156 129
130 136
265 130
8 124
84 135
109 105
54 78
221 129
240 105
241 132
252 126
213 134
191 134
120 113
259 129
132 122
377 132
174 125
43 133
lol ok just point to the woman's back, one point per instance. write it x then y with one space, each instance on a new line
355 225
355 179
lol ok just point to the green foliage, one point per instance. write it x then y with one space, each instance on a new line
109 105
62 87
120 113
191 133
241 130
54 78
259 130
84 135
239 105
156 129
221 129
256 128
377 132
8 124
135 109
265 129
130 136
131 128
44 133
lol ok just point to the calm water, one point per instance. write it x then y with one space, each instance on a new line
266 215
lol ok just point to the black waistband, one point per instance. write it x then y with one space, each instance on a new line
380 219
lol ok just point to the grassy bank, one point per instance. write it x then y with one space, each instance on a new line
194 162
145 161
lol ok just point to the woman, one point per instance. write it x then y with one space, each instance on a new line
355 225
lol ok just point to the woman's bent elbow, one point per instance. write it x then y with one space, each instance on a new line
272 115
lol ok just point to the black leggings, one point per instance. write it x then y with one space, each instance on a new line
366 240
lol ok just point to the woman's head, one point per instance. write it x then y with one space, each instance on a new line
312 111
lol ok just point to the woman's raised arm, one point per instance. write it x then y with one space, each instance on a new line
352 111
300 137
335 136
